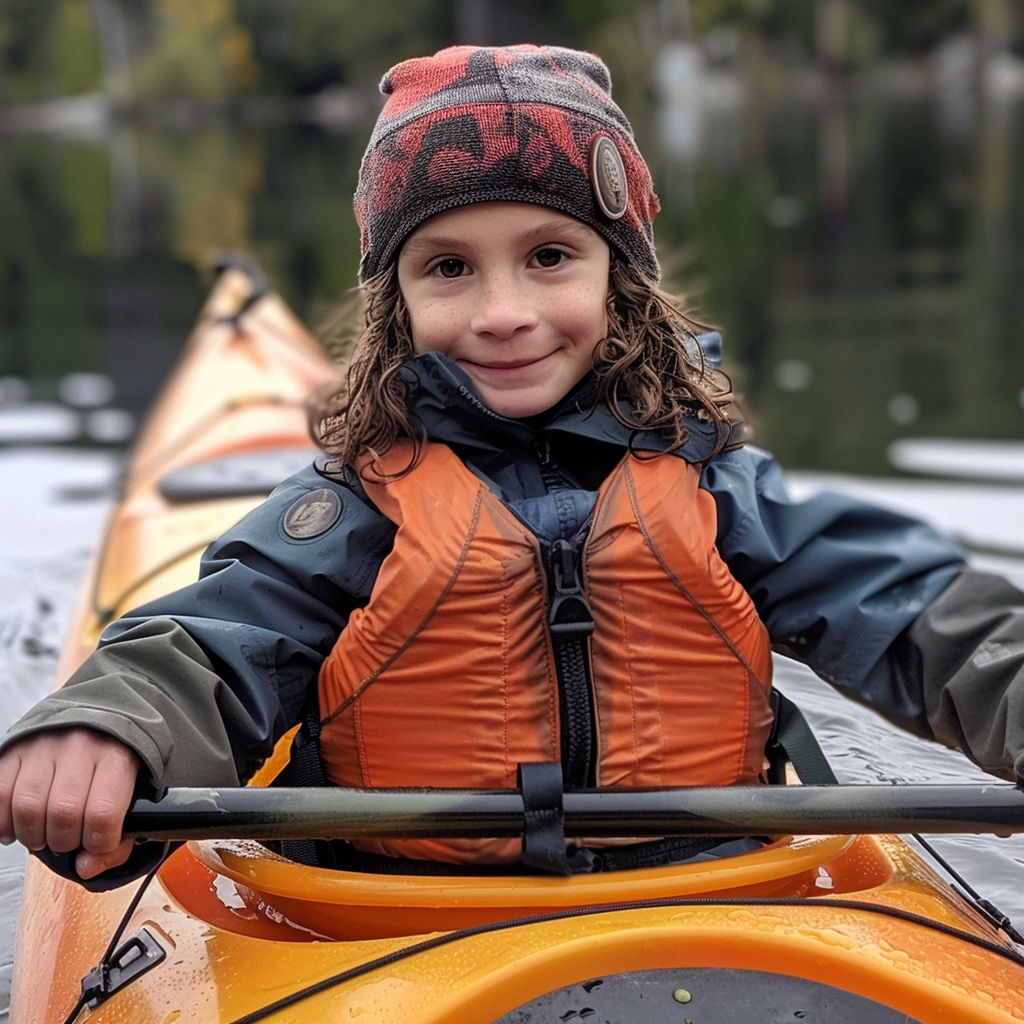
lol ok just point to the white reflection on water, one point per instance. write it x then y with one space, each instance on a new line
978 460
37 423
53 504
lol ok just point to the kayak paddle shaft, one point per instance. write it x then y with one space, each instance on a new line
336 813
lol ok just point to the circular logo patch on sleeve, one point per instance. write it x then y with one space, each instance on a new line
312 514
608 177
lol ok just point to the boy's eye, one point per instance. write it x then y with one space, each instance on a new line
450 267
549 257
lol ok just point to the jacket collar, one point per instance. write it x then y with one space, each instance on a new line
443 399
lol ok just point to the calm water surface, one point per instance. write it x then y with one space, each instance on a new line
52 508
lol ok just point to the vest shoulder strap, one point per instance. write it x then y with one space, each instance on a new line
792 740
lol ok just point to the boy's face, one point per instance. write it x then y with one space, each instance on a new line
511 292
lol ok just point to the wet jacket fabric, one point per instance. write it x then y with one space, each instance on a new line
450 672
202 682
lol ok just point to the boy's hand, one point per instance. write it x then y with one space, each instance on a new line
69 789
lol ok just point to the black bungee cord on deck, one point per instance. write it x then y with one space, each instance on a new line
985 907
96 985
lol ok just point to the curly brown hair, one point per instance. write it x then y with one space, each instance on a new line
650 369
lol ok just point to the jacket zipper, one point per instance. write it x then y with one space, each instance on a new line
571 623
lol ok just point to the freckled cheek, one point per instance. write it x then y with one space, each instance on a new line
433 327
581 312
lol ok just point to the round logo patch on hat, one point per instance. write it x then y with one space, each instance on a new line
608 177
312 514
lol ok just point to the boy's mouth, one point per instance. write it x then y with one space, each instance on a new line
505 365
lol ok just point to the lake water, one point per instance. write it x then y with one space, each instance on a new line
52 508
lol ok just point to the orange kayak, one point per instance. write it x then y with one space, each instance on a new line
833 928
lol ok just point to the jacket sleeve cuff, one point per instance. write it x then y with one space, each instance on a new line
143 859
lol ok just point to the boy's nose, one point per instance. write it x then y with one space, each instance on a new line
503 309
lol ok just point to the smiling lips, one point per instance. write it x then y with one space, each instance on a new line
499 367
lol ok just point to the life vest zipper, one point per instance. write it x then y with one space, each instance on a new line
571 622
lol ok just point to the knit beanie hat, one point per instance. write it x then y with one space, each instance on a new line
531 124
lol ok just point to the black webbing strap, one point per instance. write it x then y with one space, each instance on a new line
793 740
304 768
543 817
655 854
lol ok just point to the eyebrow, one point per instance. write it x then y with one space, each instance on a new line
555 226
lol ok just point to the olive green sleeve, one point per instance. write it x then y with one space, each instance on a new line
157 692
969 644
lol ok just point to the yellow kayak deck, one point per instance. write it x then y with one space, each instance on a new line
242 931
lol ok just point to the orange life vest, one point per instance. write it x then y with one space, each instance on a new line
446 677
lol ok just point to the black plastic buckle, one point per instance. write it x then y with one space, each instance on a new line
571 614
136 955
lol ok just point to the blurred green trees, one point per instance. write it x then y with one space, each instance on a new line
212 50
306 45
76 53
198 50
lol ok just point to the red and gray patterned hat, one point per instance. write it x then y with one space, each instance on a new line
531 124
